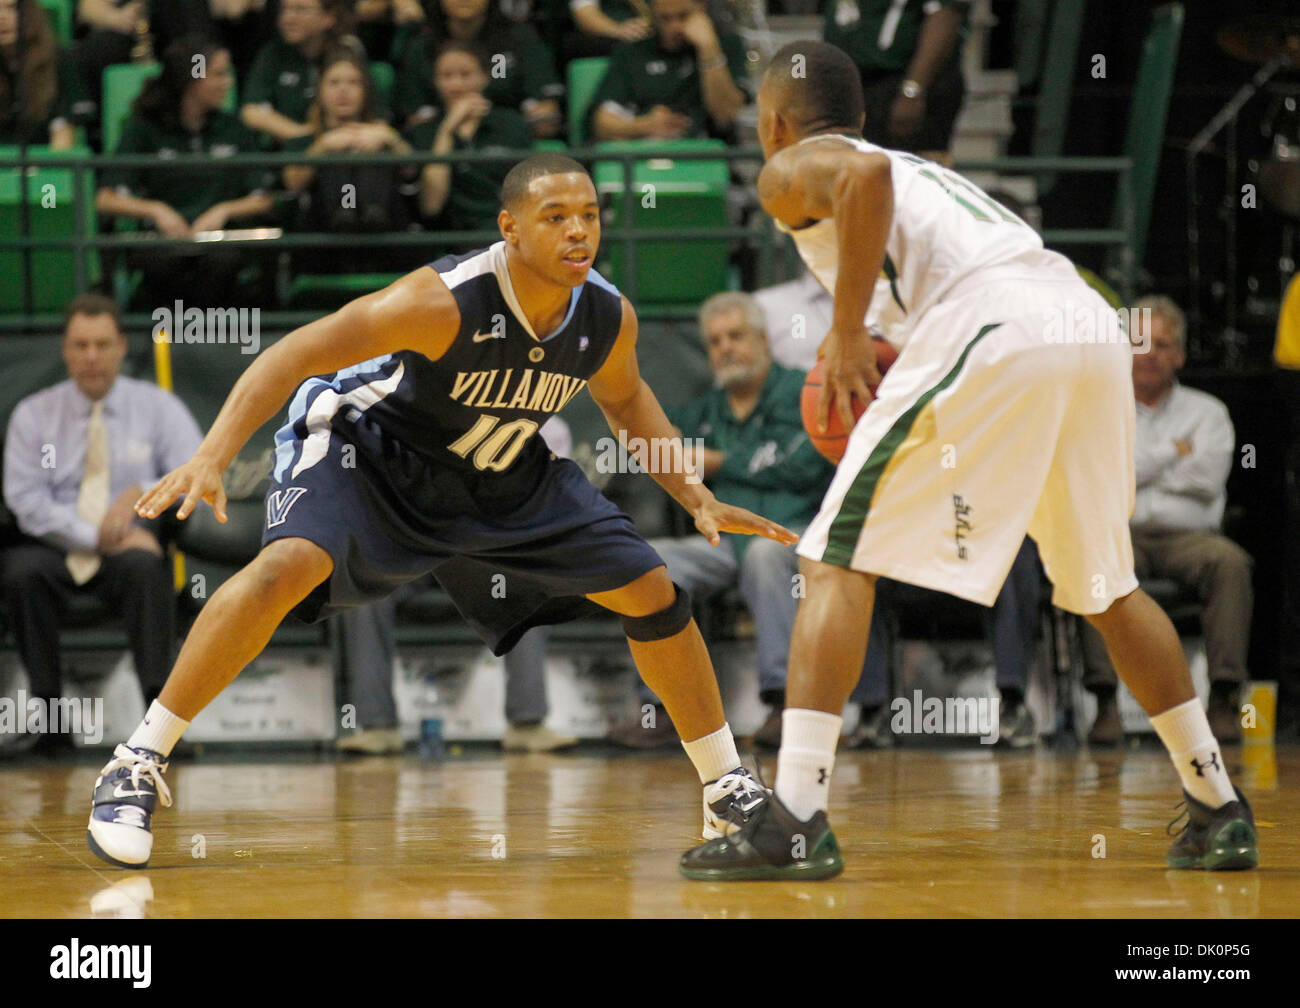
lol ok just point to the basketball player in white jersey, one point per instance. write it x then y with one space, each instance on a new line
994 422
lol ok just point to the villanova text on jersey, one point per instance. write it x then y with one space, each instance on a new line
478 407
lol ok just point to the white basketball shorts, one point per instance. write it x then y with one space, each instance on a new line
997 420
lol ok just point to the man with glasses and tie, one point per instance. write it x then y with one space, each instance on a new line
76 458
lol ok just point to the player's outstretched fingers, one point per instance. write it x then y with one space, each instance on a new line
219 504
708 528
157 500
193 494
780 533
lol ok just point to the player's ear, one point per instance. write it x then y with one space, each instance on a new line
782 132
506 224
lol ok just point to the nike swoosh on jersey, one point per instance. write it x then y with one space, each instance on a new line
479 337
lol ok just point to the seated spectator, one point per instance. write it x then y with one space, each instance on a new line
521 73
131 31
77 457
349 198
599 27
282 83
686 80
466 197
41 99
1010 625
757 455
178 113
909 55
1184 451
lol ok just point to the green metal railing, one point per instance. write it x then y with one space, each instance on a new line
775 256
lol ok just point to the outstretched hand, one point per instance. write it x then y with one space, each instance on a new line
198 479
715 517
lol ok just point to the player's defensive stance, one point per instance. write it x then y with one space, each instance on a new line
424 457
988 427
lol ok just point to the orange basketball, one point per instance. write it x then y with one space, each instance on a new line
835 439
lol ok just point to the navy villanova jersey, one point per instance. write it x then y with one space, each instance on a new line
477 409
402 466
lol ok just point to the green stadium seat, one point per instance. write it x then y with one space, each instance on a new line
382 75
52 213
61 18
333 290
585 76
122 83
668 194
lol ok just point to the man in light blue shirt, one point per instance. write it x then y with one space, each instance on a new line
77 457
1183 454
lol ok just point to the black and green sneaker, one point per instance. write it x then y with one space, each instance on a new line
1221 839
771 844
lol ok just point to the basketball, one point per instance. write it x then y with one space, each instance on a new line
833 442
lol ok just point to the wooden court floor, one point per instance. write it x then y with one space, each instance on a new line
926 833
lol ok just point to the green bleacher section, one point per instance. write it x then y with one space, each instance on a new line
667 194
61 16
584 76
54 205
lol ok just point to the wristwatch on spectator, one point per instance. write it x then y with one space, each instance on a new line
911 89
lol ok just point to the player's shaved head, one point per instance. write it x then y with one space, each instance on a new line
817 87
514 190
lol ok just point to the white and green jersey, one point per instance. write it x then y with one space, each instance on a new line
946 231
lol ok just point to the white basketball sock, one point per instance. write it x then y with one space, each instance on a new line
807 757
159 731
713 754
1185 731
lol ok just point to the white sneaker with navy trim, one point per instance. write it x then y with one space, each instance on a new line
127 792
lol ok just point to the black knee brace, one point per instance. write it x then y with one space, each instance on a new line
663 624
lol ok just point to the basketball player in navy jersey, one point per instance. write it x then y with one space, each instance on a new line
424 458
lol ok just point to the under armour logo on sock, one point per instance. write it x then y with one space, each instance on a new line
821 775
1214 762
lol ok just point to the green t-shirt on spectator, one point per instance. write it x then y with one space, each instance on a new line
878 35
643 74
188 191
520 68
475 195
771 466
283 78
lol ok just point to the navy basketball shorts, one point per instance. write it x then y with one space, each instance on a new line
512 554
